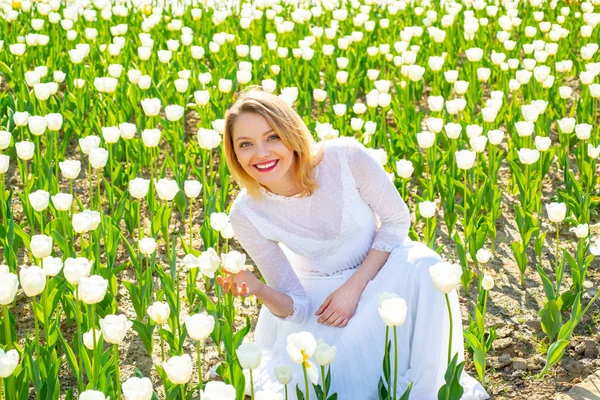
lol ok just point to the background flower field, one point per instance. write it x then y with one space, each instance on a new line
114 193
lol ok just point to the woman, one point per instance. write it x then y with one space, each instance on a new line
329 233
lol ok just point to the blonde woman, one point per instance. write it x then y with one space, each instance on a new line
329 233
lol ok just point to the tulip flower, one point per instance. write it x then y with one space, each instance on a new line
93 395
91 338
147 246
151 106
8 362
114 328
249 356
39 200
216 390
179 369
233 262
41 246
136 388
446 277
92 289
199 326
166 189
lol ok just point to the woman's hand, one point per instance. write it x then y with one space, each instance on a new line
244 283
339 307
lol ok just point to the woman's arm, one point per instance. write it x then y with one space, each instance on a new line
284 294
369 268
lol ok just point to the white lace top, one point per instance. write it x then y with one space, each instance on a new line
328 232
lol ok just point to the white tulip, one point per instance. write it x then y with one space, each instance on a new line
445 276
8 362
147 245
39 200
41 246
528 156
324 354
284 374
465 159
233 262
159 312
192 188
25 150
98 157
166 189
249 355
556 212
76 269
9 284
301 346
199 326
136 388
92 289
151 137
33 280
114 328
393 311
216 390
427 209
487 283
174 112
70 168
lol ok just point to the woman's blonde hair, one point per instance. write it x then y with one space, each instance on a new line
291 129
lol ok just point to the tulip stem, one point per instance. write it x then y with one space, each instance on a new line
7 335
450 325
79 341
117 372
182 390
44 304
286 392
162 346
198 354
36 326
324 382
395 363
190 222
93 324
305 381
251 385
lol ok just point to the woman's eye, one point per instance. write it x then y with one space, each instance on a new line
274 136
242 144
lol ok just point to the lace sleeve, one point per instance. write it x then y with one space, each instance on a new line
380 194
272 264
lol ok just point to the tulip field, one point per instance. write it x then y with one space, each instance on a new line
115 195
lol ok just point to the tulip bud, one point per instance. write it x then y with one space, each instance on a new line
111 134
114 328
151 106
284 374
92 289
93 395
136 388
39 200
446 276
41 245
89 143
324 354
8 362
88 339
427 209
487 283
199 326
483 256
465 159
159 312
179 369
25 150
233 262
393 311
70 168
98 158
542 143
249 355
426 139
9 283
528 156
216 390
151 137
174 112
147 245
556 212
138 187
166 189
192 188
33 280
76 269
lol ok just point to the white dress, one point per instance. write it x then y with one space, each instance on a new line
308 247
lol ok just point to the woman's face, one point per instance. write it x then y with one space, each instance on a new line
261 152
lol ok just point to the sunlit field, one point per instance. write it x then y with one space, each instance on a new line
114 192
